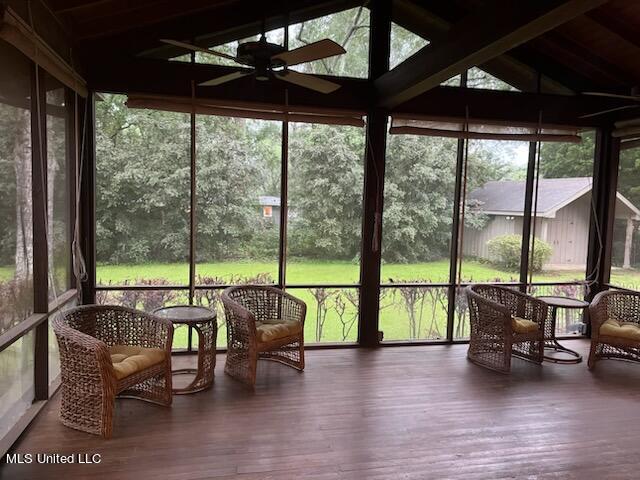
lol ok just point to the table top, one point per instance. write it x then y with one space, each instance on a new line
563 302
186 313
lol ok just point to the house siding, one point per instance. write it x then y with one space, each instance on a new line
475 241
568 234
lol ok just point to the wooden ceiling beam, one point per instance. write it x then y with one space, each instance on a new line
473 41
159 77
432 27
501 105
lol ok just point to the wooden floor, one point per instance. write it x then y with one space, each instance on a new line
391 413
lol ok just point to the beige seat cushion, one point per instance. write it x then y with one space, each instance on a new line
615 328
128 359
521 325
270 330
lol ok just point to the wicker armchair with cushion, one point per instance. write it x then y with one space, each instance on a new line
108 351
262 323
504 322
615 326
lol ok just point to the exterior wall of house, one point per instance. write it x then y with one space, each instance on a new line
475 241
568 234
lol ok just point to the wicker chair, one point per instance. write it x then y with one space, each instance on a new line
108 351
615 326
262 322
504 322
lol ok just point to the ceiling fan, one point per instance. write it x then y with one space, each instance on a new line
270 60
633 97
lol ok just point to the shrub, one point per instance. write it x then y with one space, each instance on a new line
504 251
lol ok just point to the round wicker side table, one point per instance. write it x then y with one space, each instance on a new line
204 322
551 343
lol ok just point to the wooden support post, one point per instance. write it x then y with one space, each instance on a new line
193 226
605 182
456 248
40 247
375 151
284 205
527 218
87 196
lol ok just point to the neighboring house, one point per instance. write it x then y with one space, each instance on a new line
270 208
562 218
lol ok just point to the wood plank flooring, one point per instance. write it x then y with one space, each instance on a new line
391 413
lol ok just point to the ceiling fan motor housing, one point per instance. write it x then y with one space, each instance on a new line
260 53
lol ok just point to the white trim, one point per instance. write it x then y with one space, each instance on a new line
629 205
505 213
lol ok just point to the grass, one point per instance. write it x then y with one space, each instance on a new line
339 272
405 313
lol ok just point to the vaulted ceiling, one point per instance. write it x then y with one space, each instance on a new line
595 50
594 47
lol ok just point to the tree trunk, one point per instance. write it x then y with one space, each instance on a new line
24 207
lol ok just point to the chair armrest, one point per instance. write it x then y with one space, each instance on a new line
84 360
598 313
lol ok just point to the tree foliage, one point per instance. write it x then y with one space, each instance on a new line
325 183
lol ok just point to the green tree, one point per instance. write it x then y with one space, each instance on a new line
325 185
565 160
420 179
142 164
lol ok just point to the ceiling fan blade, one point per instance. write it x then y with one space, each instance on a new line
196 48
224 79
613 95
589 115
308 81
314 51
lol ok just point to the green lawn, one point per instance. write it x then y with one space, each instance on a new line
405 313
335 272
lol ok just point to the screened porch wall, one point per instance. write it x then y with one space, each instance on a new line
37 205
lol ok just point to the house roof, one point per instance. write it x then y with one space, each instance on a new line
507 197
268 201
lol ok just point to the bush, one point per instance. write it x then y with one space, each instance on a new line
504 251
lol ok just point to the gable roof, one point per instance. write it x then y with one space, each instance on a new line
507 197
